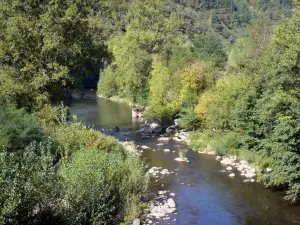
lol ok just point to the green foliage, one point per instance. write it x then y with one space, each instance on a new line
152 28
189 120
18 128
77 175
108 85
45 48
76 136
216 105
182 153
209 48
30 190
164 87
254 111
100 185
247 52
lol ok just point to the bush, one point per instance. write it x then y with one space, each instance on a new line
102 187
29 188
76 136
18 128
189 119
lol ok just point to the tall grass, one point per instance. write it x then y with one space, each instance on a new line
182 153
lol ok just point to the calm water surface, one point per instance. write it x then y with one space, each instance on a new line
204 195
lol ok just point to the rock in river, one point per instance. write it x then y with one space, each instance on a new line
232 175
171 203
136 222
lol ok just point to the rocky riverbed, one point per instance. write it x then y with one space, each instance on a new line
202 190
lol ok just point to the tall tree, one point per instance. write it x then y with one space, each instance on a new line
44 47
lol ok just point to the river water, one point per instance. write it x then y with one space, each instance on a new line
204 194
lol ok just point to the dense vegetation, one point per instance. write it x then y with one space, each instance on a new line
229 69
54 170
64 173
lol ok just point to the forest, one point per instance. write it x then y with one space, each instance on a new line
229 69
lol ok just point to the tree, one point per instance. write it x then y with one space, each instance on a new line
44 48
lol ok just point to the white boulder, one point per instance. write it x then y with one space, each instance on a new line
171 203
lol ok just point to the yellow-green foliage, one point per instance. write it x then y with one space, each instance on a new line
216 105
195 78
164 89
76 136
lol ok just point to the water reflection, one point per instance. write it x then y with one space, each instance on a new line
99 112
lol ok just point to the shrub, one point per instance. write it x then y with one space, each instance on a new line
76 136
29 188
18 128
189 119
102 187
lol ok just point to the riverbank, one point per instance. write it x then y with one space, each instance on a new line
122 100
203 193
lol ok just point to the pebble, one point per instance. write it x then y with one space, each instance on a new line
163 139
229 168
136 222
182 160
171 203
232 175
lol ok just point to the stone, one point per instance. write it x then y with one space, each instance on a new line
176 122
163 139
154 125
182 160
171 203
250 175
227 161
176 139
229 168
167 150
252 180
145 147
160 144
136 222
151 170
150 129
244 162
219 158
171 129
158 214
172 194
164 171
232 175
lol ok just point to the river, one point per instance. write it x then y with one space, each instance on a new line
204 194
